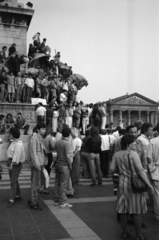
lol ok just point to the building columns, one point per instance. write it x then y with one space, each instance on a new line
156 118
129 117
148 116
111 116
139 115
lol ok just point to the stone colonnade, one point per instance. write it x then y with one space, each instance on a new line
139 115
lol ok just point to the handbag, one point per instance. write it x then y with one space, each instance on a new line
137 184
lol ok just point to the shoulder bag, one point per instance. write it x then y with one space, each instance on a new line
137 184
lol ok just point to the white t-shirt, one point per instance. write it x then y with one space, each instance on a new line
29 82
77 143
41 111
112 139
106 141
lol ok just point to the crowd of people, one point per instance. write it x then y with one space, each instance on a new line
122 152
49 78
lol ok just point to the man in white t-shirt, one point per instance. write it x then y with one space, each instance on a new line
29 82
41 113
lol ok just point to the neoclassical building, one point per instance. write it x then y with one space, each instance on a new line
129 108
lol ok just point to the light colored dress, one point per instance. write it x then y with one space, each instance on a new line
127 200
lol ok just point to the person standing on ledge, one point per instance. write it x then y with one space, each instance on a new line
21 123
41 113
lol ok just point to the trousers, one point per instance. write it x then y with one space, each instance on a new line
14 174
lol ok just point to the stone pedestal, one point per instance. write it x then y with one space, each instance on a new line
14 24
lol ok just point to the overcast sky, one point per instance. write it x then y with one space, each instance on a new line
114 44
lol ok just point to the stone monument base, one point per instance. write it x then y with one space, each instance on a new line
28 112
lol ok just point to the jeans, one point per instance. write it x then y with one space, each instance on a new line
50 160
94 165
26 128
19 92
3 92
104 120
75 170
28 94
35 184
85 164
14 174
104 162
61 182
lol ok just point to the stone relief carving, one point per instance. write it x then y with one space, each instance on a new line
29 115
134 100
10 19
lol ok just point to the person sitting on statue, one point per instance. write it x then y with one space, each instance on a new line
72 92
29 82
21 123
31 52
42 46
3 55
44 87
12 49
38 85
18 87
53 88
11 86
36 40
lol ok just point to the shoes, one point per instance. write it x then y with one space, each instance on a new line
34 206
56 204
100 183
93 185
10 204
69 195
66 205
156 220
44 192
19 198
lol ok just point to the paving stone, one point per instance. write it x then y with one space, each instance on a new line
32 228
28 236
50 235
5 230
81 232
73 224
22 221
6 237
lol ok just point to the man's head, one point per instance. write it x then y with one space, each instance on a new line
122 131
132 130
14 45
14 133
66 132
4 48
44 39
94 131
19 114
41 129
147 129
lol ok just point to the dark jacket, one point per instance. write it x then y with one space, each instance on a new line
94 144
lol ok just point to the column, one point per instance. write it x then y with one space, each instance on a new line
147 116
111 116
139 115
156 118
120 116
129 117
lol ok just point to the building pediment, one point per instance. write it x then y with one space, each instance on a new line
133 99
